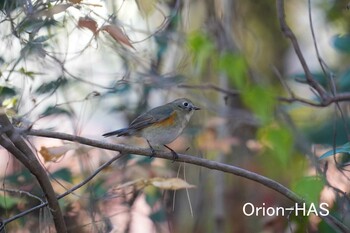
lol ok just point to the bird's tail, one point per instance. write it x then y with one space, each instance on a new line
118 133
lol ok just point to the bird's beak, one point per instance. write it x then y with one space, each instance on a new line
196 108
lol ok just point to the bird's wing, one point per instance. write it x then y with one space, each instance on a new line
154 115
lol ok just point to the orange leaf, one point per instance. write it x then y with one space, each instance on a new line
56 152
88 23
117 34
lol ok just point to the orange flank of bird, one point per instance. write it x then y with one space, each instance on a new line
168 121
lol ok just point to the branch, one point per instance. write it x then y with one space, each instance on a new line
210 86
126 149
15 144
289 34
339 97
20 192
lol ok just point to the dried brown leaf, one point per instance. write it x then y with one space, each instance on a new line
117 34
75 1
86 22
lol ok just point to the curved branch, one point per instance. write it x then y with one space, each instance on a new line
289 34
13 142
167 155
126 149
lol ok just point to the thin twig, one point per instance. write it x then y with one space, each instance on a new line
43 204
17 191
210 86
339 97
289 34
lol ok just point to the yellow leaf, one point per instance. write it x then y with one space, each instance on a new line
170 183
158 182
146 7
117 34
56 152
137 184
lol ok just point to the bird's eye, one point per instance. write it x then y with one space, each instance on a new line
185 104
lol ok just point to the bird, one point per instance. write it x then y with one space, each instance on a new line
160 125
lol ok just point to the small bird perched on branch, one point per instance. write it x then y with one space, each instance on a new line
160 125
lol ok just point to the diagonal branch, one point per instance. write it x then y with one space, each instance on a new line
126 149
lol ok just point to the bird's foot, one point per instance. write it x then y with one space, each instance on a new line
175 155
153 152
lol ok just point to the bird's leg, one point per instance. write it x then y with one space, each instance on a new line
175 155
152 149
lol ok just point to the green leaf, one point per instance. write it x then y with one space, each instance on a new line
51 86
120 88
309 188
22 177
63 174
41 39
202 48
199 42
51 110
261 101
6 91
33 49
158 216
343 82
7 202
9 5
235 66
97 188
343 149
323 226
341 43
34 24
153 195
30 74
279 140
322 132
318 76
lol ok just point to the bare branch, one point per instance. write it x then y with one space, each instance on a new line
339 97
20 192
210 86
289 34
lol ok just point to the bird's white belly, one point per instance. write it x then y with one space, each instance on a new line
163 135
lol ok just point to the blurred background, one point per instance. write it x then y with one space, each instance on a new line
90 67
